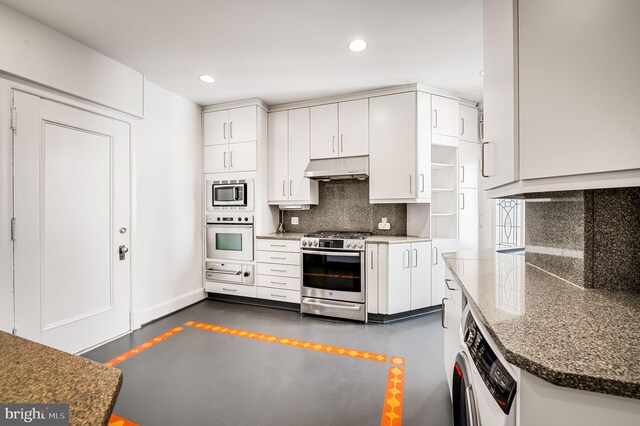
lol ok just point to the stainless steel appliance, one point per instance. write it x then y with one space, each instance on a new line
230 237
333 274
229 194
229 273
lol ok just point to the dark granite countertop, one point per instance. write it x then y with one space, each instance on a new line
34 373
562 333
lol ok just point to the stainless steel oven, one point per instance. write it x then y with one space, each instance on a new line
229 194
229 238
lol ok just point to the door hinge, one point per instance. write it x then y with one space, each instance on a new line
13 229
14 118
14 331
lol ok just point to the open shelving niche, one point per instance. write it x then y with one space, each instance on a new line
444 190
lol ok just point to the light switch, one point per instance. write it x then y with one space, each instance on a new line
294 220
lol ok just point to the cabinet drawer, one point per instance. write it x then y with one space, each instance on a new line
281 295
286 258
283 283
291 271
278 245
232 289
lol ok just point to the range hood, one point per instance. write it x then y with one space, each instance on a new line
338 168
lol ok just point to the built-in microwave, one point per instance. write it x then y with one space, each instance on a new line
229 194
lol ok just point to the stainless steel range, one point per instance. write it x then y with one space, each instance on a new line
333 274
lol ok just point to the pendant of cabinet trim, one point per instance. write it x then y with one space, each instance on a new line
288 157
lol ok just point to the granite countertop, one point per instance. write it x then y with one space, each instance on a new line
379 239
34 373
293 236
562 333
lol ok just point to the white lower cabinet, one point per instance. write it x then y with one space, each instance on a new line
468 219
438 267
231 289
278 276
452 305
402 277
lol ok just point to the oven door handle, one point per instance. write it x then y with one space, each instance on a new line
332 253
325 305
216 271
228 226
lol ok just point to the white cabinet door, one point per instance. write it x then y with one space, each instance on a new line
469 124
353 120
372 278
243 124
579 111
392 149
215 127
243 157
439 246
445 114
277 154
468 219
216 159
420 275
469 162
399 281
300 188
500 133
324 131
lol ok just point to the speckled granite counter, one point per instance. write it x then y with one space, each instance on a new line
569 336
33 373
293 236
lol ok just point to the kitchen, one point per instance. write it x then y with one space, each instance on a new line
245 225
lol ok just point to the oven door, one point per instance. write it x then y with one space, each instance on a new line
230 242
465 409
234 194
333 275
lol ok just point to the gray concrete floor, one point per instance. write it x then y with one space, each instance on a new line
199 377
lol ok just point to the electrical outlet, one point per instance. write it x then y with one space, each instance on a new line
384 224
294 220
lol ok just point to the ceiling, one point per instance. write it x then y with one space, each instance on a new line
279 50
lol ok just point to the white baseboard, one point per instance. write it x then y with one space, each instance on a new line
164 308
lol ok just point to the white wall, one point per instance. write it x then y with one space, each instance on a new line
167 207
6 247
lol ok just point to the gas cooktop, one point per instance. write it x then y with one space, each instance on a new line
335 240
336 235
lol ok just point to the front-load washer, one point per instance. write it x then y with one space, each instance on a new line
484 384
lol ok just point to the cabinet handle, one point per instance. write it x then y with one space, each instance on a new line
462 196
231 130
462 174
435 118
278 270
290 190
372 260
277 245
278 295
406 259
284 194
224 159
435 262
410 184
442 314
277 282
333 143
231 159
415 256
278 258
342 143
446 283
421 182
229 289
483 160
462 131
224 131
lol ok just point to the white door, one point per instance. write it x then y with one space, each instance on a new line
299 186
353 120
277 155
420 275
215 124
243 124
445 114
216 159
469 124
243 157
72 288
469 162
324 131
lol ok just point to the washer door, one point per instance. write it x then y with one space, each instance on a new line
465 410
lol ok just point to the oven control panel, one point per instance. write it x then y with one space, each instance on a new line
233 219
336 244
497 379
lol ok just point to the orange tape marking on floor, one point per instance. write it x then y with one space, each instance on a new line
392 411
143 347
397 360
232 331
116 420
370 356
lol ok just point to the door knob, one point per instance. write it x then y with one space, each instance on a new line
122 250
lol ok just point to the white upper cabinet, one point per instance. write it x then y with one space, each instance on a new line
243 157
399 149
353 123
500 132
278 156
469 162
288 157
215 159
230 126
324 131
444 116
469 124
468 219
340 129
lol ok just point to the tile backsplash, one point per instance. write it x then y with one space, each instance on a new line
590 238
344 206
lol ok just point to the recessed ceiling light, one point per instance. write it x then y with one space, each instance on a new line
207 78
481 73
357 45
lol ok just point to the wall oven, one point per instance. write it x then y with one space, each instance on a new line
229 194
229 238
